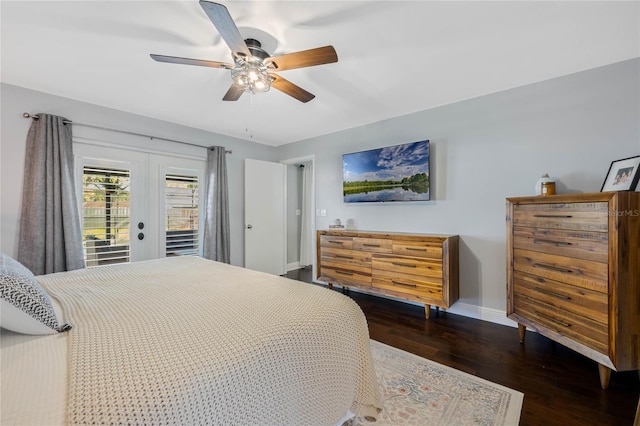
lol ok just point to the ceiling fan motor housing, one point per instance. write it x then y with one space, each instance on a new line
255 47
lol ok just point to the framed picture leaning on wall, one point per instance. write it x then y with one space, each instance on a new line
623 175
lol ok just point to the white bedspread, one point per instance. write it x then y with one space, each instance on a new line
189 341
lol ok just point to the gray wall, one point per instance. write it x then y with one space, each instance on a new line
16 100
484 150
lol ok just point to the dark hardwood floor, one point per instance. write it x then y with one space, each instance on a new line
560 386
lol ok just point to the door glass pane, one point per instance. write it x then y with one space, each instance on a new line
106 215
181 215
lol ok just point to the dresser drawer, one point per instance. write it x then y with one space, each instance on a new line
340 275
336 241
408 284
430 250
583 330
587 303
407 265
374 245
587 245
581 273
346 259
576 216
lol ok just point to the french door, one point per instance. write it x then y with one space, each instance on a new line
136 205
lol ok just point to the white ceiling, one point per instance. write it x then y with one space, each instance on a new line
395 57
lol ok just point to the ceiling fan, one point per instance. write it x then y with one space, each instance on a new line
253 69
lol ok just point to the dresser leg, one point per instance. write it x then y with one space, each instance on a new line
605 375
427 311
330 286
522 330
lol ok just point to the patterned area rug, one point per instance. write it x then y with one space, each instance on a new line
417 391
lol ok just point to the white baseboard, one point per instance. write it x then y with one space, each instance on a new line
459 308
478 312
293 266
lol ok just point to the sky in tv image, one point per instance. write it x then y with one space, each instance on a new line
404 169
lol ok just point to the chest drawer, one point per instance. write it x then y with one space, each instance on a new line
426 249
581 329
579 301
374 245
580 273
575 216
587 245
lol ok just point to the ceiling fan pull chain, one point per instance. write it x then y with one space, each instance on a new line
249 115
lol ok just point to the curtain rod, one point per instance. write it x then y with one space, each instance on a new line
35 117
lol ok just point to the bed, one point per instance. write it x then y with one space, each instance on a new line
185 340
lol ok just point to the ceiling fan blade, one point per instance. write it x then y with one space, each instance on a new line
305 58
222 20
291 89
187 61
234 93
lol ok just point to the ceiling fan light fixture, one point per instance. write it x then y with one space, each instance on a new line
261 85
239 78
253 77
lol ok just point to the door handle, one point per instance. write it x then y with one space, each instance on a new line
249 226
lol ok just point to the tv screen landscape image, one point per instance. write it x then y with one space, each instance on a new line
393 173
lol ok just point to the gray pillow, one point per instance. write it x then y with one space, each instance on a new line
25 307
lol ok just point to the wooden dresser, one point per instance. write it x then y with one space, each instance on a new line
418 267
573 273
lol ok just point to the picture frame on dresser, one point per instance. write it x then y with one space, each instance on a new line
623 175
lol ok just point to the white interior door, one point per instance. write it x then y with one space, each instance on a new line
265 216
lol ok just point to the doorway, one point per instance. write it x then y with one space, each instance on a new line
273 227
300 226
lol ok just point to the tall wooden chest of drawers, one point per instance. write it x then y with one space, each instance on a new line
418 267
573 273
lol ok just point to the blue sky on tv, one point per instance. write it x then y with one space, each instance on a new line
389 163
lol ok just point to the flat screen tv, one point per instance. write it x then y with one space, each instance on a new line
393 173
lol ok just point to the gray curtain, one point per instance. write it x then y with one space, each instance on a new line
216 224
50 234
